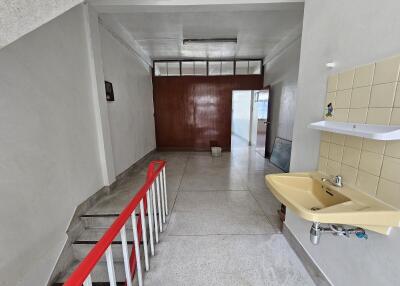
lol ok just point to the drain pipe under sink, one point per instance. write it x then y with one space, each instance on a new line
338 230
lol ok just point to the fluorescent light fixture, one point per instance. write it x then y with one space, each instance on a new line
330 65
210 41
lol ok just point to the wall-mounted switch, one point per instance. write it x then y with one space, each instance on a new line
109 91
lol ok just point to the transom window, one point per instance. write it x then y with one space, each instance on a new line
210 68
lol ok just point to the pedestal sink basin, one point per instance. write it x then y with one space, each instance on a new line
311 198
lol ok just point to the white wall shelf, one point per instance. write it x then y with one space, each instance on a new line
371 131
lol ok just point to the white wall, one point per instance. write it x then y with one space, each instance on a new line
131 114
349 33
49 152
281 73
241 113
59 136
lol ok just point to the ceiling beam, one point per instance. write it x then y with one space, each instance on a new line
138 6
120 33
286 42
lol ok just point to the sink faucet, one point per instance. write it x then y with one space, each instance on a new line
337 181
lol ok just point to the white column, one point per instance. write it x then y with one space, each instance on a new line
91 21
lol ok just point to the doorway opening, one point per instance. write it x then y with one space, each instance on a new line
261 105
250 118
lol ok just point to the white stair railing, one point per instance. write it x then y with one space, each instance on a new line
153 191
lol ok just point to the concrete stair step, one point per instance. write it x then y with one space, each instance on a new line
102 220
80 251
94 235
86 241
99 274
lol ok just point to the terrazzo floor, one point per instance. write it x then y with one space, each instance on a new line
223 228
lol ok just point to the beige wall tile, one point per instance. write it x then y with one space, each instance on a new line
340 114
324 149
393 148
354 142
351 157
332 168
325 136
332 83
389 192
382 95
367 183
322 164
330 98
360 97
338 138
379 116
335 152
374 146
395 117
364 75
391 169
349 174
345 80
387 70
358 115
371 162
397 97
342 99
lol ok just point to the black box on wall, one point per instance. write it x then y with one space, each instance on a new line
109 91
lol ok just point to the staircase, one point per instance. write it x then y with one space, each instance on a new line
95 226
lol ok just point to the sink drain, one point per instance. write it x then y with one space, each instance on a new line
315 209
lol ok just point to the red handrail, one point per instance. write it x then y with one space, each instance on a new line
86 266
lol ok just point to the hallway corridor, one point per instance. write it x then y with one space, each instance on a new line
223 226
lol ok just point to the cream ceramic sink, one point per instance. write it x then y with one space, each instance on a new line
317 201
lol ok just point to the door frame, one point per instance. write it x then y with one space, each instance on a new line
268 133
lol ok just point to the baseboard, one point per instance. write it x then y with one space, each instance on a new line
317 276
76 226
133 167
191 149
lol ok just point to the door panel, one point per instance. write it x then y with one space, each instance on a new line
194 112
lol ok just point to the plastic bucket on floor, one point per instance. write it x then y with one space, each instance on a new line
216 151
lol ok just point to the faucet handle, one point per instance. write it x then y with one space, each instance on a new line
339 180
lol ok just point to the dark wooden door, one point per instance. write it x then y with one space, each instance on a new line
194 112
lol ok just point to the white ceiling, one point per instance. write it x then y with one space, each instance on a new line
258 28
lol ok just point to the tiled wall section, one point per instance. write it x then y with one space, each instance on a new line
366 94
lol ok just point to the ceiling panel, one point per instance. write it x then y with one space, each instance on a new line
161 34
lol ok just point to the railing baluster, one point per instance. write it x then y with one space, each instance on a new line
110 266
159 203
149 215
151 200
144 235
165 190
136 246
162 196
88 281
153 194
126 256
